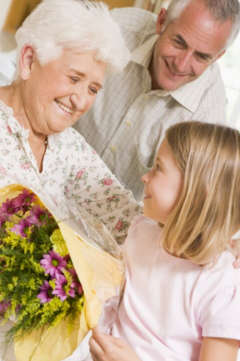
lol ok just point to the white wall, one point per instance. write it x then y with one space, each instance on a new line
4 6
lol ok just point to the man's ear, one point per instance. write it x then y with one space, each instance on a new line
26 60
161 20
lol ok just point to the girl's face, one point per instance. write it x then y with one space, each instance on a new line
162 185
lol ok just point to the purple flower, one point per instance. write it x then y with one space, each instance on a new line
36 216
23 200
63 290
76 285
59 289
8 207
46 292
53 263
20 228
79 289
3 307
3 218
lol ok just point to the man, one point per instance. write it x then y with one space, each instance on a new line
173 76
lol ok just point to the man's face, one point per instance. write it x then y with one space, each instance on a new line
187 46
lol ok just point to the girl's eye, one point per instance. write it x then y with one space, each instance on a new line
158 167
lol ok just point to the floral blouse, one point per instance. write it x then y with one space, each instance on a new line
73 180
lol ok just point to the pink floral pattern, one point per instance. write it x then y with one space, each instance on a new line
73 176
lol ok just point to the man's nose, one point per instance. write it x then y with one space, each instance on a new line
183 62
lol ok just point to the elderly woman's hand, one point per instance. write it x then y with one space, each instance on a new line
108 348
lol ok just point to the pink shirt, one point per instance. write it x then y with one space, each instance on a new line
169 303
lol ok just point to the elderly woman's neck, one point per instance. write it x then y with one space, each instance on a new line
11 96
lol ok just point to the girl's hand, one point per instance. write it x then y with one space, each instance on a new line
108 348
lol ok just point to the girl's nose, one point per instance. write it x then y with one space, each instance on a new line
145 177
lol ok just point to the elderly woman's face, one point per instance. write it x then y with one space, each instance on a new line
55 95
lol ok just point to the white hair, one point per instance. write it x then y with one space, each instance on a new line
221 10
55 25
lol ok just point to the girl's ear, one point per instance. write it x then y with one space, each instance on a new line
161 20
26 60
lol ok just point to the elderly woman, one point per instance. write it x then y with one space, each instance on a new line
64 49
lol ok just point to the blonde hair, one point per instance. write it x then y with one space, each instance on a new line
207 213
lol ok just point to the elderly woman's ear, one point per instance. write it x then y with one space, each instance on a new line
26 61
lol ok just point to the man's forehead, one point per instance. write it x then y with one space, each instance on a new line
206 34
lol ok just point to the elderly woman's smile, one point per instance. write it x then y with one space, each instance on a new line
59 92
64 107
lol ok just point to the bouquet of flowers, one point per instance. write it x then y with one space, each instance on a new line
52 281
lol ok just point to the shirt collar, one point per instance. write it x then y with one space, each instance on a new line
190 94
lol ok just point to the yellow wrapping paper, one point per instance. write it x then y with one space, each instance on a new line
100 275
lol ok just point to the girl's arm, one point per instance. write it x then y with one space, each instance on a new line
219 349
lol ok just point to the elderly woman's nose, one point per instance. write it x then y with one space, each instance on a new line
80 100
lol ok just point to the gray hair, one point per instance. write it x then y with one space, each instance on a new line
82 24
221 10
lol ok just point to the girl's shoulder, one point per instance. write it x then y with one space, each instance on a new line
142 230
140 222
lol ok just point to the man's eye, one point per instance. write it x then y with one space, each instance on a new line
203 57
74 79
179 43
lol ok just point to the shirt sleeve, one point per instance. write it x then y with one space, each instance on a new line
96 190
221 316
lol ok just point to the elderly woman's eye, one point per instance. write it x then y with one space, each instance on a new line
93 90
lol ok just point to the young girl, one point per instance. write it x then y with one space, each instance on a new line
181 300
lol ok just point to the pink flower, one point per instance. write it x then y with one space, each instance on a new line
4 306
26 165
8 207
119 225
80 173
107 181
53 263
59 289
36 215
21 227
9 130
112 198
46 292
23 200
3 218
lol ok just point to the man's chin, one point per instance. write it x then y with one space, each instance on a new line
170 86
